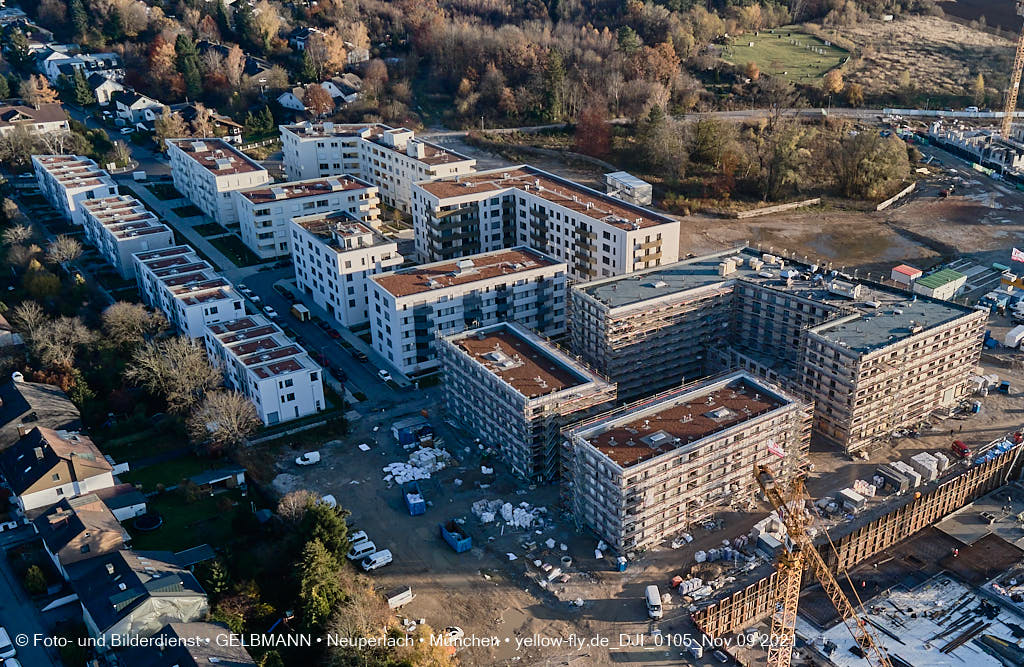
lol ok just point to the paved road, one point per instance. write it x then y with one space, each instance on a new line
154 164
19 616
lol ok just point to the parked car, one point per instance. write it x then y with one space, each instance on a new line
960 449
271 313
359 356
339 375
379 559
361 551
127 130
6 647
357 537
283 264
333 333
384 375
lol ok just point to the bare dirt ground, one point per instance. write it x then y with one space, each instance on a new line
943 56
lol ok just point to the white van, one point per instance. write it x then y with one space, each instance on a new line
361 550
653 598
6 647
379 559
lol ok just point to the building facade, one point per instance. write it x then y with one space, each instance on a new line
595 234
410 307
189 292
68 180
121 226
47 119
334 256
206 171
390 158
745 309
646 472
260 362
516 391
264 211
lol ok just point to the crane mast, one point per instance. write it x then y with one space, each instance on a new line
790 508
1011 95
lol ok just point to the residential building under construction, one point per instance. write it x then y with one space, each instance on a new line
515 391
643 472
872 358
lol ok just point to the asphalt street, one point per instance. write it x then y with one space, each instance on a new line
19 616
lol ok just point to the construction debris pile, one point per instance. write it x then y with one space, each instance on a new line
520 516
422 463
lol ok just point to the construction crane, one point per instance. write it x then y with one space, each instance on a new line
1011 94
790 506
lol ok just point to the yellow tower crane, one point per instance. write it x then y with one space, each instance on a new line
791 510
1011 94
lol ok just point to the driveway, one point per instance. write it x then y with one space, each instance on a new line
20 617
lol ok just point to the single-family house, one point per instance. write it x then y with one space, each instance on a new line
292 99
77 530
226 128
25 405
47 119
298 37
124 501
47 466
189 645
136 593
50 59
343 89
104 87
135 108
356 54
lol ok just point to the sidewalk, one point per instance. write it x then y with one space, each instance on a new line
181 225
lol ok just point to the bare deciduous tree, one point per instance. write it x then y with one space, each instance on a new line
175 369
292 506
223 420
59 340
128 325
20 256
63 250
17 234
28 318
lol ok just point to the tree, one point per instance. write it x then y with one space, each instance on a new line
187 62
554 86
224 420
5 89
202 124
709 139
223 20
593 134
169 125
120 154
319 586
978 90
35 580
36 91
127 325
59 341
17 233
63 250
752 71
10 214
214 577
293 505
266 24
374 77
326 53
79 18
867 165
18 51
628 40
29 319
175 369
832 82
782 156
661 144
40 283
327 525
81 91
317 100
234 67
854 94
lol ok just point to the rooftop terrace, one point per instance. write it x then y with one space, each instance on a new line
680 418
333 229
217 156
376 133
563 192
298 189
485 266
526 362
74 171
261 347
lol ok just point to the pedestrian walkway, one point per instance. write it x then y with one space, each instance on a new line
185 227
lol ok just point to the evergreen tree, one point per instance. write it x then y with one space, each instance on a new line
245 26
18 52
554 82
13 86
78 17
81 91
223 20
5 90
319 586
184 50
308 71
187 61
114 27
267 119
193 79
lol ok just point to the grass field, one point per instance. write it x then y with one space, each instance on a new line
235 250
787 52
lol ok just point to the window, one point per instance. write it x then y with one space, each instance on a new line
55 477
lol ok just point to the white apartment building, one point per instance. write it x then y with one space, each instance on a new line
68 180
121 226
186 289
269 368
390 158
206 171
334 255
595 234
264 211
410 307
516 391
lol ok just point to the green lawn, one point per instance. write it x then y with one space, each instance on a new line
235 250
206 520
143 444
210 229
786 51
188 211
169 473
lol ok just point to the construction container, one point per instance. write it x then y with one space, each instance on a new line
455 537
769 545
894 480
851 500
414 501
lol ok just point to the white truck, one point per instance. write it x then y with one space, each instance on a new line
1014 336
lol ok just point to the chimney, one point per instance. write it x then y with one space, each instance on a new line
110 568
23 430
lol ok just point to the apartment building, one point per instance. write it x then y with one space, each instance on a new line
647 471
260 362
595 234
334 255
516 391
206 171
121 226
818 334
264 211
410 307
189 292
390 158
68 180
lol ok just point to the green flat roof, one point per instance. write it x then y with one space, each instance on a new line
940 278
